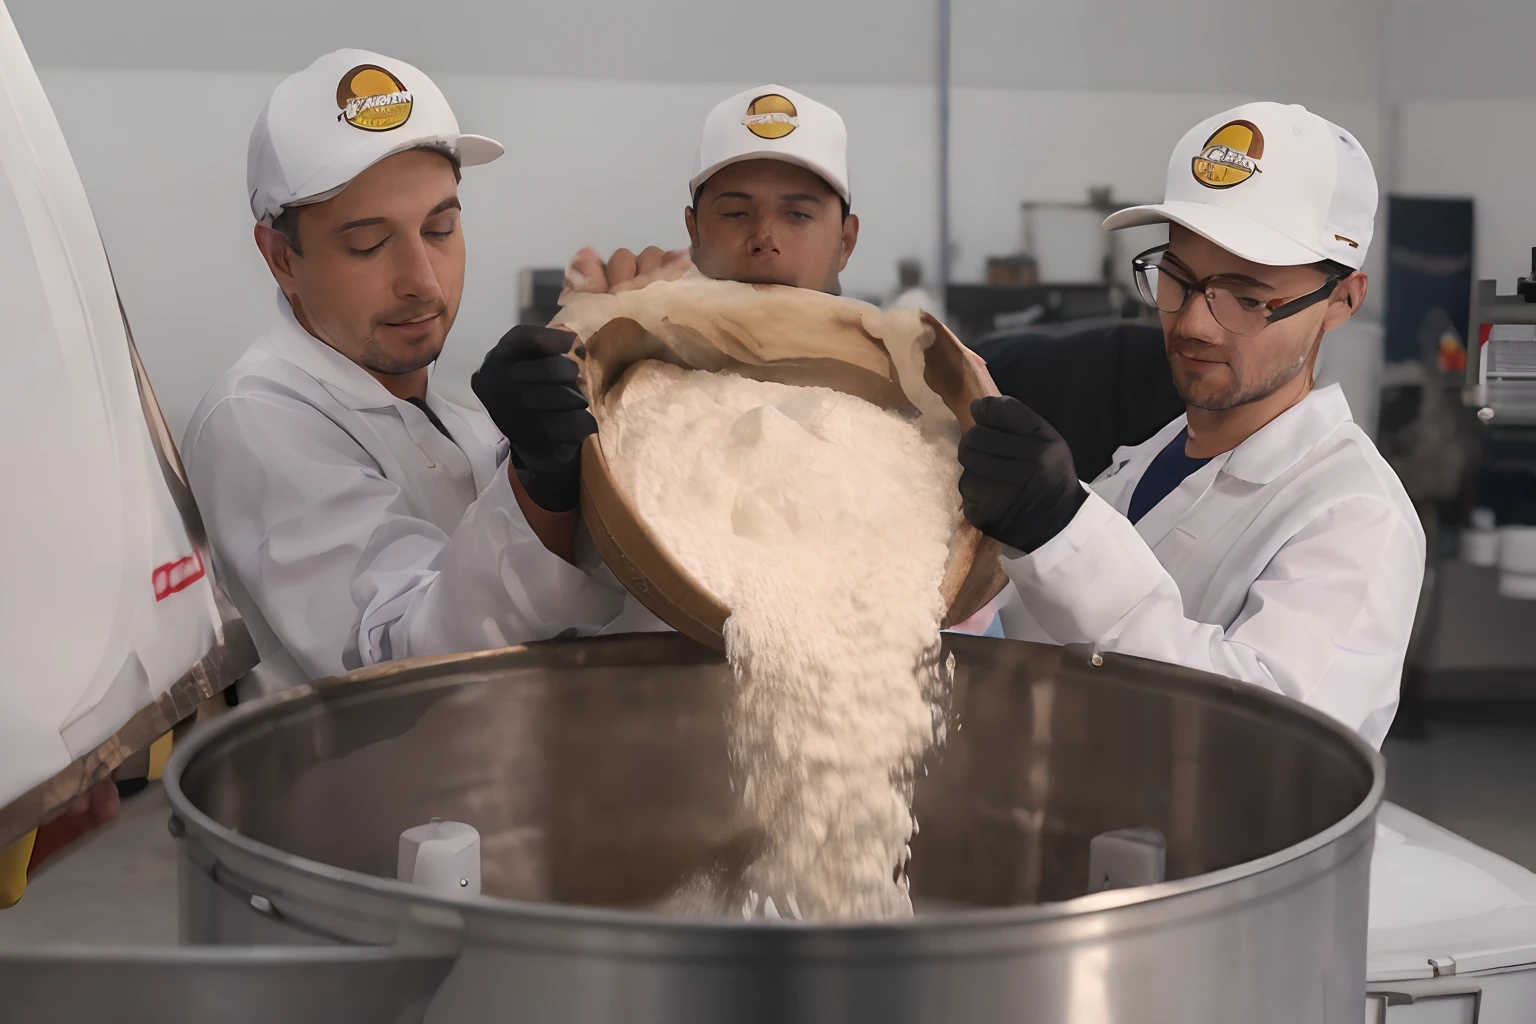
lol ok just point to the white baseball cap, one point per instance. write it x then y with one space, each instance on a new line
1272 183
774 123
338 117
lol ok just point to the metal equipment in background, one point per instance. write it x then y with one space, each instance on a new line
1501 386
1022 289
974 311
597 774
1501 368
1099 204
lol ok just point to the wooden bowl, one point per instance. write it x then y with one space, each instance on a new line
771 333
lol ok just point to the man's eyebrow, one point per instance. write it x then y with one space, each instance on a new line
800 197
1245 279
731 195
451 203
1240 278
365 222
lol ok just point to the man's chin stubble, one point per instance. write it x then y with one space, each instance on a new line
378 362
1232 399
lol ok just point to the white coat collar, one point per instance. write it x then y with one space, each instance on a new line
1273 448
1282 442
352 385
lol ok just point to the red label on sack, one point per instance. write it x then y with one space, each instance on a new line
174 577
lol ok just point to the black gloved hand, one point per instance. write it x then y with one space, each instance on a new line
1018 484
528 385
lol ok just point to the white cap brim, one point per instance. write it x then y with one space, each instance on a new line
471 150
772 154
477 149
1234 231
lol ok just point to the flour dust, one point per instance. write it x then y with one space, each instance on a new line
824 523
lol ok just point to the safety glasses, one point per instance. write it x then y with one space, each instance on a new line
1240 309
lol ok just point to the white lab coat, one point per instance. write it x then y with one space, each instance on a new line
1293 561
350 531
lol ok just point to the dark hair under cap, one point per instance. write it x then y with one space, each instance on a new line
286 223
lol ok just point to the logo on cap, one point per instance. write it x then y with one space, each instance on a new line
1231 156
771 117
372 99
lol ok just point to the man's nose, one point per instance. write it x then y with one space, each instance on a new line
415 277
761 242
1196 322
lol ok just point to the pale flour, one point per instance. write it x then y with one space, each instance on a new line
823 522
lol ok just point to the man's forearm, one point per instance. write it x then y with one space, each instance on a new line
556 529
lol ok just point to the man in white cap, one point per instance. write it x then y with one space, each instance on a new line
770 206
770 199
1260 535
359 516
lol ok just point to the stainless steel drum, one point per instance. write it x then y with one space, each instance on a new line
596 772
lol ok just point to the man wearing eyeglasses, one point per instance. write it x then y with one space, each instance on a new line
1259 535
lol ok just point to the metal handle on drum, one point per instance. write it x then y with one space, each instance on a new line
246 892
1406 993
427 931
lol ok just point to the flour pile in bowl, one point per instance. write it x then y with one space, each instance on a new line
823 522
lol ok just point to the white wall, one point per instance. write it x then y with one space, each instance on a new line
168 183
1145 48
856 41
1463 81
600 104
1483 148
1053 98
1010 145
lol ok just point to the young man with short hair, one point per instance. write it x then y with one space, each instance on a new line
770 205
770 202
1260 535
357 515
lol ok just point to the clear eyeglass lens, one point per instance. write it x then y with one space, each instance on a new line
1234 312
1242 315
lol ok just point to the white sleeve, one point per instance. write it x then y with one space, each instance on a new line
343 573
1326 622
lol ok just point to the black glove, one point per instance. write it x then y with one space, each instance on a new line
1018 484
529 387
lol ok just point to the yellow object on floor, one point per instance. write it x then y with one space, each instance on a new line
159 753
13 869
15 858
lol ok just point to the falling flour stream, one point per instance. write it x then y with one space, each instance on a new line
823 522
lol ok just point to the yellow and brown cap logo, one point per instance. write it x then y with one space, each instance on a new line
372 99
1230 156
771 117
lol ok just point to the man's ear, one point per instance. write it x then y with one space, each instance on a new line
692 224
1347 300
278 252
850 238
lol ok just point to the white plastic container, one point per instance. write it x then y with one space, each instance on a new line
1517 549
443 856
1517 562
1452 929
1480 541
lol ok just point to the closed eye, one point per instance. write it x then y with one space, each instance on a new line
368 251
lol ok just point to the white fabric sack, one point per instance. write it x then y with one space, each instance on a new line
110 627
